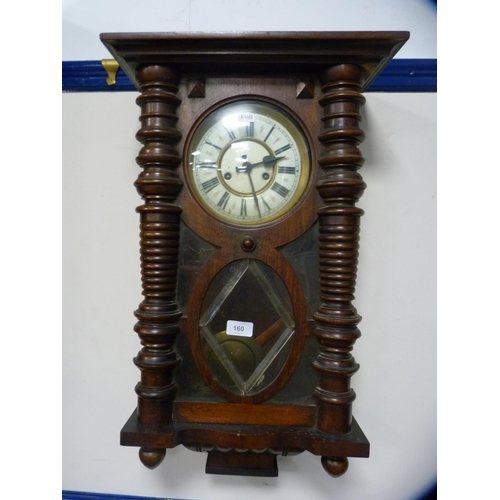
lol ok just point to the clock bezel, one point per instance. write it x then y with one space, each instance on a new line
272 110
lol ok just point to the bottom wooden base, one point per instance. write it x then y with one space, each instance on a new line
242 464
245 449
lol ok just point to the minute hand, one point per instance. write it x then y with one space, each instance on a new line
254 194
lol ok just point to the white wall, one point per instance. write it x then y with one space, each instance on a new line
84 20
396 295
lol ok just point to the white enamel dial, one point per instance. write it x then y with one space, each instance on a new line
248 163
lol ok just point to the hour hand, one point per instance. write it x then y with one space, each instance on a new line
267 161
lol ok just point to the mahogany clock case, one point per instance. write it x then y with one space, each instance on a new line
305 403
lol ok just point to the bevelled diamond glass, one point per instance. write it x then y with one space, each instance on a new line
252 296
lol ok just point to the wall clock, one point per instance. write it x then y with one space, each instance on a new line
249 242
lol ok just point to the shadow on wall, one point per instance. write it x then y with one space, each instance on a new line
430 494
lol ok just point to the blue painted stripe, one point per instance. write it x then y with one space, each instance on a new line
83 495
90 76
400 75
407 75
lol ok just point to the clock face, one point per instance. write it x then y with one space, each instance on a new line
248 163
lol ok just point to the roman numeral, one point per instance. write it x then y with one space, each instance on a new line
269 133
243 209
230 133
207 164
210 184
281 190
286 170
223 201
250 129
267 207
280 150
213 145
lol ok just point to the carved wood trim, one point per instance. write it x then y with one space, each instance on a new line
340 187
158 185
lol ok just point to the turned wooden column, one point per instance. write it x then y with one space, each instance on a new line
340 187
159 186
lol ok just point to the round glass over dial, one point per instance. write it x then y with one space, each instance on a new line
248 163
